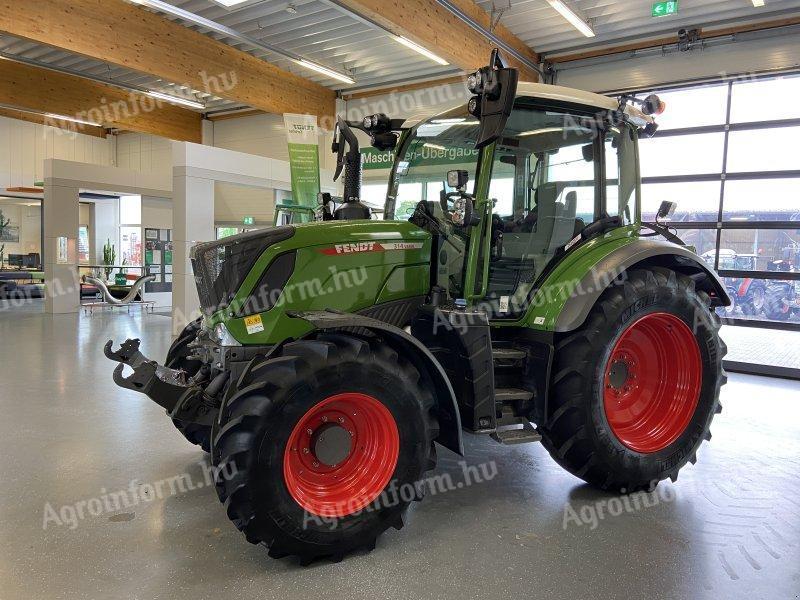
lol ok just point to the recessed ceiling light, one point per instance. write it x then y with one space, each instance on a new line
570 15
417 48
229 3
175 99
324 70
758 3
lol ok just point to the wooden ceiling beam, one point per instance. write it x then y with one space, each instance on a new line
436 28
41 90
123 34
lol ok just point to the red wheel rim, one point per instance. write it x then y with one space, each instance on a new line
652 382
341 486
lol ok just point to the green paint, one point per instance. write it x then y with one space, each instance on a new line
348 281
665 9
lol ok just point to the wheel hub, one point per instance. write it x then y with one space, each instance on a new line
619 374
331 444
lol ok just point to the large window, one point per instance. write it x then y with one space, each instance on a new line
727 154
130 234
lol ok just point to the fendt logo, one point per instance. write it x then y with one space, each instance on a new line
354 247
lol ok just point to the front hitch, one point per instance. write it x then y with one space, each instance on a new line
166 387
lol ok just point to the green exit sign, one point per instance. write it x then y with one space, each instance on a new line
664 9
249 221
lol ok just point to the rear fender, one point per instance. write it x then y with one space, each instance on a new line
640 254
450 435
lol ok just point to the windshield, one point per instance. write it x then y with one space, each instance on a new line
547 187
437 146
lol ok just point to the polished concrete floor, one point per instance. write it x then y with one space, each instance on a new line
729 528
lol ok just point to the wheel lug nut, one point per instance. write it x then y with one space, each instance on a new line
315 463
309 431
341 419
324 419
305 450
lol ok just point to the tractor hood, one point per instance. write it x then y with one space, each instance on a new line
350 266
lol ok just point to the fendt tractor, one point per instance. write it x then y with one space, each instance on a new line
522 297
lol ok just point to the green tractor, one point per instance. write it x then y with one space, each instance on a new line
523 299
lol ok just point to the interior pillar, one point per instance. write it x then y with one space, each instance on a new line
193 221
60 216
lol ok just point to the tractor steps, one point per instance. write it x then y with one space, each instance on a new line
513 430
511 395
505 353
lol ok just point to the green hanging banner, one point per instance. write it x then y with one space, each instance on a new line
303 139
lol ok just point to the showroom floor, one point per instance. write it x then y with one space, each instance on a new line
729 528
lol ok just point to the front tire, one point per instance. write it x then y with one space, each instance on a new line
288 486
178 358
634 390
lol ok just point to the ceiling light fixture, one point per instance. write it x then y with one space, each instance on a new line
424 51
176 99
229 3
540 131
324 70
758 3
570 15
71 119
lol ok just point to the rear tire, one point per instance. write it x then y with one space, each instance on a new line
177 358
776 307
624 423
267 482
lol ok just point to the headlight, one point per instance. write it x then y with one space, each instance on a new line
367 122
474 82
223 337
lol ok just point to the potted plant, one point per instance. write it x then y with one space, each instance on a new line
109 256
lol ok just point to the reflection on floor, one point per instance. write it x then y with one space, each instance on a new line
729 528
762 346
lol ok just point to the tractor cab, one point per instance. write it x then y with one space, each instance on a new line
559 172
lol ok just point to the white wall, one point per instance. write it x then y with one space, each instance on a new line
232 203
264 135
25 146
143 152
106 226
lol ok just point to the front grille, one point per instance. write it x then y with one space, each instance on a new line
220 267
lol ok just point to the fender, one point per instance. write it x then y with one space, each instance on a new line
450 434
642 253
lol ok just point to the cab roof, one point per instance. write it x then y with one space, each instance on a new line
546 91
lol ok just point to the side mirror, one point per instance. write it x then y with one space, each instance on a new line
463 213
653 105
666 210
457 179
495 87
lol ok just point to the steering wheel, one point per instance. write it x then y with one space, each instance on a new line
448 199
